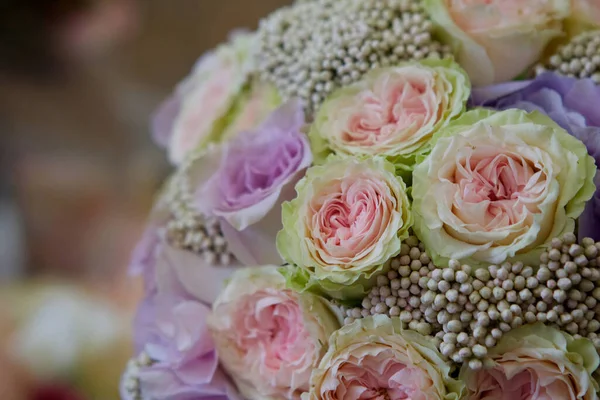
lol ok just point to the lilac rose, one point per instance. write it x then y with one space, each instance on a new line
171 329
572 103
144 255
194 273
250 177
163 119
198 274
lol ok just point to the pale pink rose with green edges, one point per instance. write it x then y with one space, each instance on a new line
374 358
536 362
391 112
268 337
499 186
349 217
497 40
199 110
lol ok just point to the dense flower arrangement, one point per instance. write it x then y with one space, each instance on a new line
380 199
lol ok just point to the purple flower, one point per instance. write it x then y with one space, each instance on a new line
145 253
194 275
163 120
255 173
589 220
143 258
571 103
171 328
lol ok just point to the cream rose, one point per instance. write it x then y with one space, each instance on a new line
373 358
392 112
348 219
587 10
585 16
499 186
536 362
496 40
269 338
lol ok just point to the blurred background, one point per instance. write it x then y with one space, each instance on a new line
79 80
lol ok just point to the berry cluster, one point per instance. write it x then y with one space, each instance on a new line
468 310
188 229
580 58
314 47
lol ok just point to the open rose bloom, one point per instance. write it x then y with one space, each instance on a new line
392 112
375 359
213 101
348 219
497 40
269 337
368 205
500 186
255 172
537 362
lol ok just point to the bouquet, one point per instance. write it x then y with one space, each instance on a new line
380 199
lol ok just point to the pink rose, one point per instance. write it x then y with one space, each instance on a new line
269 338
193 116
496 40
348 219
392 112
202 106
498 186
536 362
375 359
